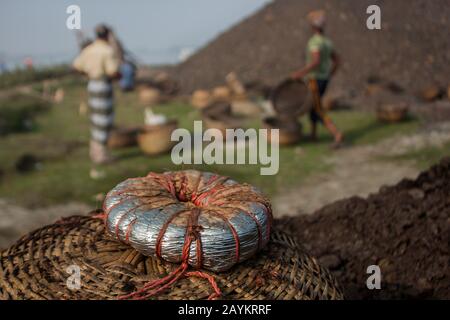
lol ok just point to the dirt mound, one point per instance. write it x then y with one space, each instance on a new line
403 229
411 51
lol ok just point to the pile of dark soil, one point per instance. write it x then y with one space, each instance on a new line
411 51
404 229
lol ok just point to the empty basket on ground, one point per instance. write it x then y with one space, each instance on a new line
392 112
155 139
245 107
123 137
290 131
431 93
165 83
289 99
221 123
39 266
221 93
200 99
217 109
218 116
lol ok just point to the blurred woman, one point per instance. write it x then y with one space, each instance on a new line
100 63
321 64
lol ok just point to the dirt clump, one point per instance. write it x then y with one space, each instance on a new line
27 163
403 229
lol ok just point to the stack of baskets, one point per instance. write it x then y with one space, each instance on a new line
392 112
40 266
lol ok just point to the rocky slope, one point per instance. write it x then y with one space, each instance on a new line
412 50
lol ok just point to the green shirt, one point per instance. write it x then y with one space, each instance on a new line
324 45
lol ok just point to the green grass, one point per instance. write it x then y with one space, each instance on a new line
17 113
423 158
25 76
61 136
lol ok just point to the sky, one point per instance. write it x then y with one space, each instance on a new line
156 31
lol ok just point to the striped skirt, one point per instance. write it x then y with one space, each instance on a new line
101 107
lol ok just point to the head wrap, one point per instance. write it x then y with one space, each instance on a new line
317 18
102 31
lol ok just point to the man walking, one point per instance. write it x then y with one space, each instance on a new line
100 63
322 62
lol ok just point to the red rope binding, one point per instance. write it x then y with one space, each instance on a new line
192 234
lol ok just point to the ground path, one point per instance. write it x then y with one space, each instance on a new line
16 221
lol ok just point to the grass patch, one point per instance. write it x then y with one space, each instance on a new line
17 113
25 76
361 128
423 158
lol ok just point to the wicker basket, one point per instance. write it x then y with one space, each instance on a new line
123 138
245 107
154 140
431 93
392 112
149 96
221 93
36 268
223 123
289 99
201 99
290 132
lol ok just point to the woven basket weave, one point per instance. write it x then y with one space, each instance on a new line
35 268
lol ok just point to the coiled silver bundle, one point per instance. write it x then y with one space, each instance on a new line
225 222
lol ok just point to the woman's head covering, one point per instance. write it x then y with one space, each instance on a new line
102 31
317 18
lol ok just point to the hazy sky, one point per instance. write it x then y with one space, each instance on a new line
155 30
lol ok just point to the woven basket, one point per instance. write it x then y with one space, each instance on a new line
290 132
123 137
36 268
245 108
201 99
222 124
155 140
218 115
289 99
392 113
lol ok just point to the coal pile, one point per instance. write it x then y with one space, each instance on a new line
404 229
411 51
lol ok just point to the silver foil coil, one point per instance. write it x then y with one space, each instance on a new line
154 215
